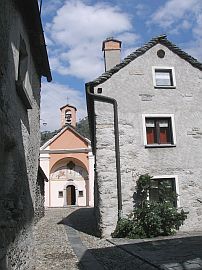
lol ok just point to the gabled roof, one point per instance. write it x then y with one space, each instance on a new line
60 132
68 106
159 39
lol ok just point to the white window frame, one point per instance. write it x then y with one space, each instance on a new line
154 68
176 185
171 116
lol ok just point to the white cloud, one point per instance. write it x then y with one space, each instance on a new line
128 38
53 97
181 15
78 30
168 15
194 48
49 7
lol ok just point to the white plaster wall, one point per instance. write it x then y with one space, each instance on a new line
91 161
134 91
57 185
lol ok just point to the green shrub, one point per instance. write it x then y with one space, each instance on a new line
150 219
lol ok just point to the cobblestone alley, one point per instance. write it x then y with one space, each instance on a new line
65 240
62 247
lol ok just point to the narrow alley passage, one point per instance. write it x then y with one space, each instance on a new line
65 240
52 249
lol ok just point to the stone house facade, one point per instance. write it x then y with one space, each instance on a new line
23 61
68 163
145 116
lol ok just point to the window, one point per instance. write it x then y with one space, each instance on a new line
68 117
163 189
22 71
163 77
23 61
158 130
60 194
80 193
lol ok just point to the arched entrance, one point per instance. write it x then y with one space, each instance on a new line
70 195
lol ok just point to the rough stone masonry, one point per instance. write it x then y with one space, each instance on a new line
21 191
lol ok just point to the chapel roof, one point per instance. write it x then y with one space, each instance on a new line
60 132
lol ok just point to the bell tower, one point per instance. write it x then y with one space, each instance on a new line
68 115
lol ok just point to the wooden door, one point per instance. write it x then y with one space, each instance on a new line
71 196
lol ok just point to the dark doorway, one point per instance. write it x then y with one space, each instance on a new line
71 195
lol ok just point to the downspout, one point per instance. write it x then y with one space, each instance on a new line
100 98
40 7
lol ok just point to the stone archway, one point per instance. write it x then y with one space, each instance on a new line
69 184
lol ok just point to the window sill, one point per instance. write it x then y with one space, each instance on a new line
22 93
160 145
165 87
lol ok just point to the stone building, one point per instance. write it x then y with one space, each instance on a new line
23 61
68 163
145 116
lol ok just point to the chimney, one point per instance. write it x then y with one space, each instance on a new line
112 52
68 115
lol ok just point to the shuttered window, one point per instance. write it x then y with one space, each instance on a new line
163 190
159 131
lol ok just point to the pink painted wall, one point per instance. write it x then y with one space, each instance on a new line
69 140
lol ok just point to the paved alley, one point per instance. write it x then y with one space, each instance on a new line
66 240
52 248
72 247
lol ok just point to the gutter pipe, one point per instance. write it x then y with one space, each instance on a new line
40 7
105 99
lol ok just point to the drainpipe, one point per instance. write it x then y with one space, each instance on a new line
100 98
40 7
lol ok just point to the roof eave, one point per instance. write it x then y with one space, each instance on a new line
30 14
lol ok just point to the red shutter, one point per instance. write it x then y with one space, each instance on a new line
150 135
164 135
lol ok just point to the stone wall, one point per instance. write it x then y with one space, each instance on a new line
19 145
134 91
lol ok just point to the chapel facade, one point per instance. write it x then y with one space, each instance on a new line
68 163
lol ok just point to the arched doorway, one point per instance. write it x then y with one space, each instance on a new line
71 195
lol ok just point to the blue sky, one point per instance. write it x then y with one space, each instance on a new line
75 29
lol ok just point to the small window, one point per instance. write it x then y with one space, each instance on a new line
163 189
159 130
23 61
163 77
80 193
22 71
60 194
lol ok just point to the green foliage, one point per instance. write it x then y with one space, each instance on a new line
150 219
82 128
47 135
